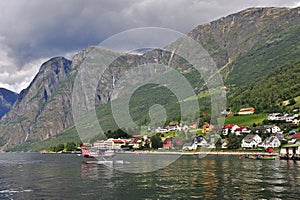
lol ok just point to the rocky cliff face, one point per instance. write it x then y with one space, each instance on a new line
7 99
43 109
38 109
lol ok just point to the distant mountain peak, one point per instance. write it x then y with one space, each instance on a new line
7 99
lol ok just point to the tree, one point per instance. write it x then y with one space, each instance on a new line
52 149
292 101
233 142
218 143
60 147
156 142
70 146
119 133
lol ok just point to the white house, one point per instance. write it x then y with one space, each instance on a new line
233 128
272 141
275 117
251 141
292 149
272 128
111 143
275 129
198 141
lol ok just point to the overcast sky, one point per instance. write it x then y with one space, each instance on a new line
32 31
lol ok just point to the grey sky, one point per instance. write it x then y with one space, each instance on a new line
32 31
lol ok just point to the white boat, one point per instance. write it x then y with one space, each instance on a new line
96 153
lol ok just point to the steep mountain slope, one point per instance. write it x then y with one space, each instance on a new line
252 43
7 99
34 110
247 47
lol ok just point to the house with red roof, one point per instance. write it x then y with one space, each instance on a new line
168 143
246 111
233 128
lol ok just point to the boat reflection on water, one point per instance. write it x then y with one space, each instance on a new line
96 153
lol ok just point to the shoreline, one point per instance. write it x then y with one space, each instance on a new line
213 153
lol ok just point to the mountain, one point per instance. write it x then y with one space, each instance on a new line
257 51
7 99
250 48
251 43
33 110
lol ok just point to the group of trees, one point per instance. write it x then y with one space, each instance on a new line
70 146
119 133
268 94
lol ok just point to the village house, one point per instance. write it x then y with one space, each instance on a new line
168 143
271 141
112 144
198 141
246 111
272 128
286 103
140 141
275 117
161 130
224 143
172 127
282 117
233 128
292 149
261 129
207 128
251 141
275 129
227 113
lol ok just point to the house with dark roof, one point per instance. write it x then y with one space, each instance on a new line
251 141
198 141
271 141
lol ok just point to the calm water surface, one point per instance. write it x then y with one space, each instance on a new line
37 176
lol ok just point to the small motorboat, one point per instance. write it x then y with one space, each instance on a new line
260 157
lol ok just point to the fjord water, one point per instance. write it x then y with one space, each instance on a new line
40 176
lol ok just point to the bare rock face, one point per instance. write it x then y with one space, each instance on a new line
38 112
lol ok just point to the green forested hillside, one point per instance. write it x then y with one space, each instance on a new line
268 93
279 49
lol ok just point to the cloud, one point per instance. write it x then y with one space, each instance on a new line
31 30
17 79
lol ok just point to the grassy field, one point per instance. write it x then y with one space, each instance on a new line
246 120
199 96
297 99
